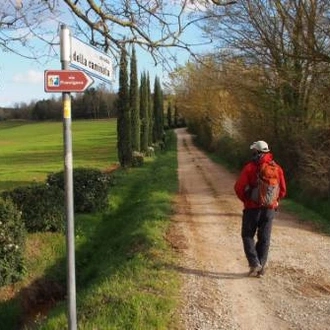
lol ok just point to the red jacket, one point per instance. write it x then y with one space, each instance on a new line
248 178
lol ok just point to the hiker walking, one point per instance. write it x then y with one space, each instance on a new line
260 186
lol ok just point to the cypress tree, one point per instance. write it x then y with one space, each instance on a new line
158 111
134 103
144 113
150 112
162 111
176 116
124 118
169 115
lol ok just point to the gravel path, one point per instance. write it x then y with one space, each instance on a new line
217 294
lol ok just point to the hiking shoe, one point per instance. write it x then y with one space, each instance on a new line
261 272
254 271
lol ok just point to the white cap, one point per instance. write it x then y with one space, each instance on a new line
261 146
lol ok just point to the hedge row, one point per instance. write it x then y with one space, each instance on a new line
12 240
40 208
90 188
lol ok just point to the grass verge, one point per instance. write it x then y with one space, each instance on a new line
307 215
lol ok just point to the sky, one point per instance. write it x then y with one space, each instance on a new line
22 80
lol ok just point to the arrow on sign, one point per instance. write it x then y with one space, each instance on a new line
56 81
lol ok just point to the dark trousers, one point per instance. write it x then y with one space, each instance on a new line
257 221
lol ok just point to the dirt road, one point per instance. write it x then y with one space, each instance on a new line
217 294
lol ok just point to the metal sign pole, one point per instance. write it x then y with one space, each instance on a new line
71 277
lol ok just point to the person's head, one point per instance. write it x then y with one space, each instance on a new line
259 148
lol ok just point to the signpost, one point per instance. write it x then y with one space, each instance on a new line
68 179
66 81
74 53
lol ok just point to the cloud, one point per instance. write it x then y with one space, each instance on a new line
29 77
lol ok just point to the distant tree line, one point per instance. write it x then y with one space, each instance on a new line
94 103
100 103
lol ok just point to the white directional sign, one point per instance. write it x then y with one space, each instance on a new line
89 59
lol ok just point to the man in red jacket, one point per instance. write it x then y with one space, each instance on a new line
257 218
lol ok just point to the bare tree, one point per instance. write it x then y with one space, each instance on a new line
288 40
109 25
154 25
29 28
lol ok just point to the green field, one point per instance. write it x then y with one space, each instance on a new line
29 151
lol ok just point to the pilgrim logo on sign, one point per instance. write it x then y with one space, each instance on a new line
89 59
53 81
